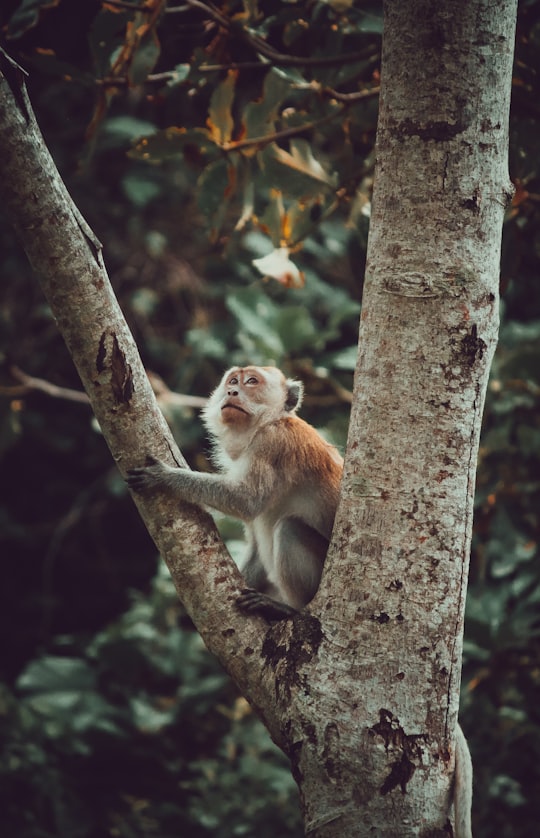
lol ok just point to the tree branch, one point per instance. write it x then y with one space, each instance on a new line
29 384
346 100
64 252
283 60
262 47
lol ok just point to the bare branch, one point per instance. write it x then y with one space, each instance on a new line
29 384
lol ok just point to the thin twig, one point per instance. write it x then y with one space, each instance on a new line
283 60
350 98
264 48
346 99
29 384
210 9
282 135
123 81
123 4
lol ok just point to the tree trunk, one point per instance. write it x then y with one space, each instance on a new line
394 589
361 690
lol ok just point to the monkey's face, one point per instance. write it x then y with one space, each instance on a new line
249 396
246 393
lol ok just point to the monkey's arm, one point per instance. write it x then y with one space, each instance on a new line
241 500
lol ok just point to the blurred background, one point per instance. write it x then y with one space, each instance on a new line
195 139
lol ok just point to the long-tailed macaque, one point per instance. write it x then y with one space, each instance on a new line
278 476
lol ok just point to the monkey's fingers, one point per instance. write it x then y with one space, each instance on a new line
138 479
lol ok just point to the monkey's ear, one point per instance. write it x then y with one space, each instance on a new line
295 394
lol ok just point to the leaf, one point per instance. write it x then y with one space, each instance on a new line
297 173
278 266
256 315
339 6
119 130
171 144
46 63
52 673
247 188
220 121
301 158
272 222
140 189
259 117
251 10
105 37
27 16
301 218
145 57
297 329
344 359
215 188
205 343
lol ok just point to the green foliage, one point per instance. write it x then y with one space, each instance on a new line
141 733
27 15
245 124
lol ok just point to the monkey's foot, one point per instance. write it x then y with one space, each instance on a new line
253 602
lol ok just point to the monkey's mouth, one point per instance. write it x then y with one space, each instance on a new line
229 405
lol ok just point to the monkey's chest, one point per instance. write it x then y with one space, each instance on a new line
261 533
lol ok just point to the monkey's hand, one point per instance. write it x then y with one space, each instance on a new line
152 476
253 602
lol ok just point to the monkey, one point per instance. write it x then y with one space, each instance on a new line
276 474
282 480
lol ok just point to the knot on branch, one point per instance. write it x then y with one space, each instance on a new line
111 359
408 751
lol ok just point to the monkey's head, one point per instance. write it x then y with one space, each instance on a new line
251 396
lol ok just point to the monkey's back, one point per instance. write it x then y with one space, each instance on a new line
307 472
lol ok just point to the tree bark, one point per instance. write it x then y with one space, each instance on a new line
394 589
67 259
361 689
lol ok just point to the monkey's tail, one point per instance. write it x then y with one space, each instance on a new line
462 787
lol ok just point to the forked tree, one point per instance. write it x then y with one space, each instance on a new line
361 690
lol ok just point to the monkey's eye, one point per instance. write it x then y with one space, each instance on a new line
252 380
233 381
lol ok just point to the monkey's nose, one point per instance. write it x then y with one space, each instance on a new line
232 392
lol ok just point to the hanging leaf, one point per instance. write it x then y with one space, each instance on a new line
27 16
215 188
246 187
278 266
220 121
302 161
272 221
145 57
256 316
297 173
172 143
259 117
105 36
140 50
122 130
